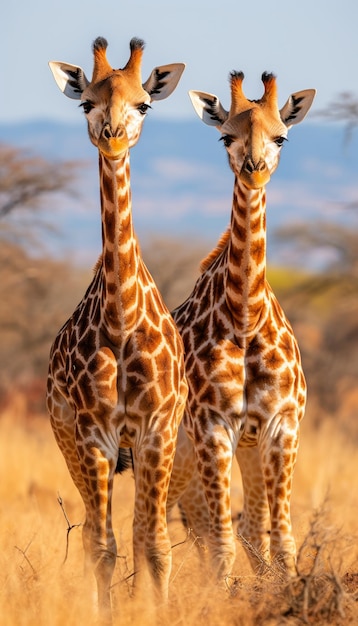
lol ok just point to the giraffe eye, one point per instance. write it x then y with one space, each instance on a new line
143 108
280 141
87 106
227 140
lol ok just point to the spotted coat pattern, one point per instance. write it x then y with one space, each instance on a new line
116 374
247 390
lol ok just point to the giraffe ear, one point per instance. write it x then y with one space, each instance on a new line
163 80
209 108
297 107
71 79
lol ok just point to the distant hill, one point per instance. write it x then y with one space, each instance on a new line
182 184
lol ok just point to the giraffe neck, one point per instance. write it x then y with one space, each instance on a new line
246 287
120 259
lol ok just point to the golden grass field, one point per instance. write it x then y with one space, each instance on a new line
38 589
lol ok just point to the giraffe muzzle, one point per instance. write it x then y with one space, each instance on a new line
109 133
113 143
254 175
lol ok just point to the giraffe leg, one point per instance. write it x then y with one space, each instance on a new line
278 461
214 456
195 512
98 466
183 469
62 419
254 524
186 490
63 426
92 474
151 542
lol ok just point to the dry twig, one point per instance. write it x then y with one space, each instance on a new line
69 526
23 552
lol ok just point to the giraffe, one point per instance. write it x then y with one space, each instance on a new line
116 372
247 390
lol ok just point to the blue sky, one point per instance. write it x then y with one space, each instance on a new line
310 43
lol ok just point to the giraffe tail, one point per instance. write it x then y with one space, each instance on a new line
124 460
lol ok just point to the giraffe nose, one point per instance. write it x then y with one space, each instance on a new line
250 166
113 141
254 174
109 133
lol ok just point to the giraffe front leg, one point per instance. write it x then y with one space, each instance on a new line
187 491
279 456
254 523
151 542
63 422
194 511
183 469
214 458
99 543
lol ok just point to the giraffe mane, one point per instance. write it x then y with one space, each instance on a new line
98 264
213 255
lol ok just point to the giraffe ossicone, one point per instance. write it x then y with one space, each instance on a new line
247 390
116 374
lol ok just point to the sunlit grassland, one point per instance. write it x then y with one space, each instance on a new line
38 588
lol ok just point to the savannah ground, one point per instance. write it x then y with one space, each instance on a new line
38 587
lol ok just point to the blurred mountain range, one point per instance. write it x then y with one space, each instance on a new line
182 184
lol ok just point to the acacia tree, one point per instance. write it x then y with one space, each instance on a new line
32 301
25 179
27 182
344 108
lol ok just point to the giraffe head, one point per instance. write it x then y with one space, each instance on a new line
115 101
253 131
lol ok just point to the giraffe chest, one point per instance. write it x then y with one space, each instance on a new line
136 377
216 375
240 379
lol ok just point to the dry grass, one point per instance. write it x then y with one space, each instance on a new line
38 589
